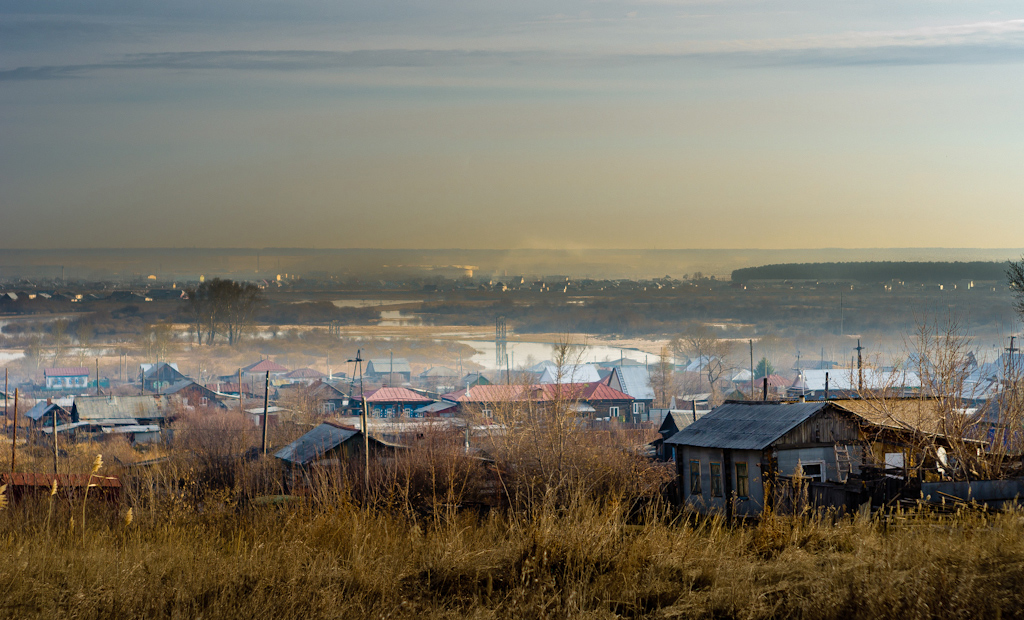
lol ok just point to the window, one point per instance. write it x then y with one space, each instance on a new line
613 412
638 408
389 412
815 471
742 480
204 401
487 413
716 480
695 478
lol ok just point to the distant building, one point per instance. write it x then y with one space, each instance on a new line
395 402
261 368
155 377
635 381
66 378
191 394
379 368
307 376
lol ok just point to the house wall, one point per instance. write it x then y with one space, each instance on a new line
787 460
825 427
602 408
398 410
706 502
56 383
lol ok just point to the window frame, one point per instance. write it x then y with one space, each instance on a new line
613 412
742 480
695 485
716 489
819 477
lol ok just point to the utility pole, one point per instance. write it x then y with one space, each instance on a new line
860 368
358 361
14 435
240 409
266 403
54 414
97 376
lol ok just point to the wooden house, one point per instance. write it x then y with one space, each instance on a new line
728 459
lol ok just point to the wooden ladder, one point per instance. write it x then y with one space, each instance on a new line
843 465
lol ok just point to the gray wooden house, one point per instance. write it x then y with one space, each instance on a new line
738 450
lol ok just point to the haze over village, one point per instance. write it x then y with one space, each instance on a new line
573 309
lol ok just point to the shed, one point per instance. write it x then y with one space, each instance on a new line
739 447
120 410
329 439
384 366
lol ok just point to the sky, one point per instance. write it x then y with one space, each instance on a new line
579 124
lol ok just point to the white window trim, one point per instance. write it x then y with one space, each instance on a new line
823 476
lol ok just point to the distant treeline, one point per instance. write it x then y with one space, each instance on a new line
883 271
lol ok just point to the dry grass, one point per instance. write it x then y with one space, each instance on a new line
329 557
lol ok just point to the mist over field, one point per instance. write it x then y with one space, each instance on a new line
190 263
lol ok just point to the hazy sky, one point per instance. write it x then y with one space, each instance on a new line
479 124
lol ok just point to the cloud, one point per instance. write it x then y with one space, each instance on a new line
979 43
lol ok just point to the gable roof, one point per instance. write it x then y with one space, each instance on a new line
66 371
396 395
317 442
570 373
847 379
738 426
545 392
264 366
305 373
636 381
152 370
324 390
382 365
42 408
438 371
903 414
119 409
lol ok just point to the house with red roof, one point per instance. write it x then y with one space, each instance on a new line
262 367
306 376
595 400
394 402
66 377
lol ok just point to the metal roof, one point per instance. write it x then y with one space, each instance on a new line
66 371
847 379
437 407
383 365
42 408
119 409
636 381
264 366
305 373
439 371
570 373
396 395
314 444
738 426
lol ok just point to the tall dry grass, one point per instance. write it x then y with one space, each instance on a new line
329 556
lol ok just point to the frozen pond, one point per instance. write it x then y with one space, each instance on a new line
9 355
369 303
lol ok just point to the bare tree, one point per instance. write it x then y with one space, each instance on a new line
663 380
711 352
223 306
